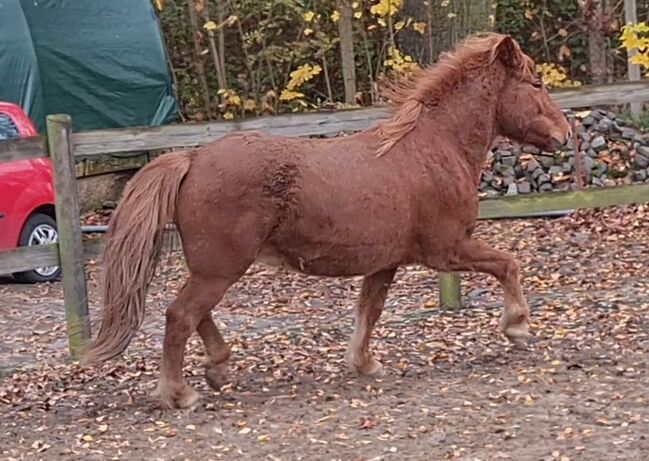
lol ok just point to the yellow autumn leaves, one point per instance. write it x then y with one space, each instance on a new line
385 8
299 76
379 13
381 10
633 37
231 101
399 62
211 25
555 76
636 37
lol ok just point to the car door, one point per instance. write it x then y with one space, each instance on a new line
8 130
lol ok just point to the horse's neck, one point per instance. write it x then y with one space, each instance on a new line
466 120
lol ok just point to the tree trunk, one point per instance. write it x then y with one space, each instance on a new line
345 28
593 17
198 59
445 25
216 57
220 17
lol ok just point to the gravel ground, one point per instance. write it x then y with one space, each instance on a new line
454 388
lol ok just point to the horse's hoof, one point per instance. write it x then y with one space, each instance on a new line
372 368
216 376
519 343
518 335
180 398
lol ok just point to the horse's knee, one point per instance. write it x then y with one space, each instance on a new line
178 323
510 270
217 373
221 356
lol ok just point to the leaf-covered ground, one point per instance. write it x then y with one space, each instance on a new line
454 389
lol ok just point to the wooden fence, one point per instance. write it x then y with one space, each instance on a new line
68 253
64 148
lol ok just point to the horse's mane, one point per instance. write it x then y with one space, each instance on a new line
426 87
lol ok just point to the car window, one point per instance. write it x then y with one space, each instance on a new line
8 129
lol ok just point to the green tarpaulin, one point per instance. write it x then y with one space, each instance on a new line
102 62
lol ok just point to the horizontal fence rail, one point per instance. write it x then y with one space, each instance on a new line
190 135
28 258
311 124
23 149
519 206
124 140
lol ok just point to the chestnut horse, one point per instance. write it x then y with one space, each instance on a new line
401 193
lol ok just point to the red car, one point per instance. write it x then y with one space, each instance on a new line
26 197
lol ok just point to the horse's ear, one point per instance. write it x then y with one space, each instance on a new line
508 51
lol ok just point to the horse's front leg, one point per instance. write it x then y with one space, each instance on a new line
368 310
475 256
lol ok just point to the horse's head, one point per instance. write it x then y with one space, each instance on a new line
525 111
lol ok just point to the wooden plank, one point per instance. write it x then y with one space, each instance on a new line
29 258
450 296
602 95
79 167
317 123
523 205
59 130
23 149
191 135
108 163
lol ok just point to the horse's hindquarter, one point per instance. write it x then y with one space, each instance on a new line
223 214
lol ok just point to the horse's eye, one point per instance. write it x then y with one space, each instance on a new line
537 84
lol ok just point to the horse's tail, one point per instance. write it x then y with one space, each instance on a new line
133 247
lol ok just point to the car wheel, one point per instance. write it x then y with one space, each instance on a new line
40 229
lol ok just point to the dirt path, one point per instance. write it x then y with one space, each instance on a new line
454 389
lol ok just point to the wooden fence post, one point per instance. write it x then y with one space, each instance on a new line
449 290
59 128
631 17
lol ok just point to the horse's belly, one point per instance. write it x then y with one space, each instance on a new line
331 260
271 257
337 232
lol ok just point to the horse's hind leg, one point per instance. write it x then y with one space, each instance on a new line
218 353
193 304
368 310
